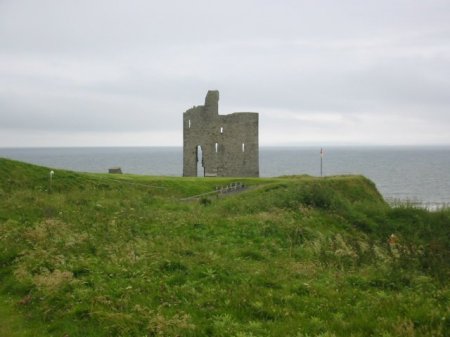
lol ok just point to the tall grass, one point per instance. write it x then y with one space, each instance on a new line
295 256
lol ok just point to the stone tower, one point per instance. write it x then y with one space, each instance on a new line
228 144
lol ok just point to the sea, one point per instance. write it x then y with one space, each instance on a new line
415 175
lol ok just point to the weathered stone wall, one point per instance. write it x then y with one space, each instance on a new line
229 143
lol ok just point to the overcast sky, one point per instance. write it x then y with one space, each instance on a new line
121 73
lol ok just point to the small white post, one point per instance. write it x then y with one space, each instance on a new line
50 181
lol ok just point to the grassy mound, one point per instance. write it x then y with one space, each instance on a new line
124 255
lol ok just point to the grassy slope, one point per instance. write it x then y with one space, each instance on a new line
123 255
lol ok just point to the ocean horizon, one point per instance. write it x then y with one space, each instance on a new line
416 174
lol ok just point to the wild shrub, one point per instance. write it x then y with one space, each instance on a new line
204 201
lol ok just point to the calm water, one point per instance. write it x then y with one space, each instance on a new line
420 174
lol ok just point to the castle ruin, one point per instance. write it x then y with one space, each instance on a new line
219 145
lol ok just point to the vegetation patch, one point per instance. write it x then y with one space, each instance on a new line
109 255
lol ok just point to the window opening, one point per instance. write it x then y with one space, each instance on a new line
243 147
189 124
200 167
217 147
221 129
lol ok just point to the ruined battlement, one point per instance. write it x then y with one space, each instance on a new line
228 143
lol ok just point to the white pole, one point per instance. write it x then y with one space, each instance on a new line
50 181
321 162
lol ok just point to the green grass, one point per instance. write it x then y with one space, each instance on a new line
125 255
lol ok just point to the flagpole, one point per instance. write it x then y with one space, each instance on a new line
321 162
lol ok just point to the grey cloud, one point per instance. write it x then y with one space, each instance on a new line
119 66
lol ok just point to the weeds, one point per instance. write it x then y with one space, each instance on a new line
293 256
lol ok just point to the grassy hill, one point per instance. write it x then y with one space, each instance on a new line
125 255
